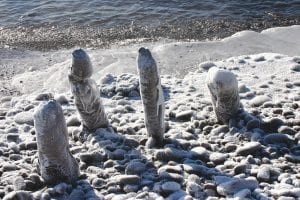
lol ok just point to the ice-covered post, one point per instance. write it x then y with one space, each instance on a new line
56 163
86 93
152 98
223 87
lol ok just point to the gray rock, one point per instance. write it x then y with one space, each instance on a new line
60 188
170 187
76 194
272 125
252 124
220 129
240 168
199 170
73 121
287 130
62 99
44 97
184 115
170 176
259 100
24 118
235 185
118 154
12 137
249 149
200 153
91 157
264 174
295 68
18 195
19 183
127 179
98 183
135 168
206 65
218 158
279 139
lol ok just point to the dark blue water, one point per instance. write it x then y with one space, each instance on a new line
67 22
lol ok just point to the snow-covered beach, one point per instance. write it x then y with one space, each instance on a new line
257 159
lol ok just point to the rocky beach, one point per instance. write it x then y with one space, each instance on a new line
256 158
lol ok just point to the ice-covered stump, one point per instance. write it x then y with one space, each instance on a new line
152 98
82 67
223 87
86 93
56 163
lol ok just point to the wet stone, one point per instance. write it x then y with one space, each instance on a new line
287 130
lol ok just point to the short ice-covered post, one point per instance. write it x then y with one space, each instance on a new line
152 98
223 87
56 163
86 93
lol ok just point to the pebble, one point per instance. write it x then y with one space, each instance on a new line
73 121
184 115
135 168
200 153
249 149
218 158
24 118
127 179
259 100
206 65
235 185
287 130
264 174
279 139
170 187
295 68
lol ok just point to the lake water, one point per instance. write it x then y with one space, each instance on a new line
48 24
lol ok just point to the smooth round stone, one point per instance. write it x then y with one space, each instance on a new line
219 130
44 97
76 194
295 68
240 168
73 121
279 139
184 115
19 183
272 125
218 158
264 174
170 187
200 153
128 179
259 100
135 167
252 124
235 185
207 65
62 99
16 195
287 130
249 149
24 118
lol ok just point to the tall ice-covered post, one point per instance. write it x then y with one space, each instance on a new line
86 93
56 163
152 98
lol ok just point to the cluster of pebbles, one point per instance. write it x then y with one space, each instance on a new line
257 158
